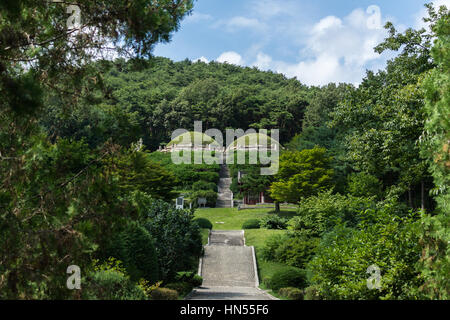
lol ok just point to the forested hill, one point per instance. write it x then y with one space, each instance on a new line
152 101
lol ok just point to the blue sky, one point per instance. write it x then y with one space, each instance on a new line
317 41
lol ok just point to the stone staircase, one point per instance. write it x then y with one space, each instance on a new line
229 269
224 195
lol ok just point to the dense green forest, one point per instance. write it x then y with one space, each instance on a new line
152 99
81 183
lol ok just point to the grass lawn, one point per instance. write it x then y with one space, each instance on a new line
233 219
266 269
205 234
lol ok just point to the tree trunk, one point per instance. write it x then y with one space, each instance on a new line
423 195
277 206
410 198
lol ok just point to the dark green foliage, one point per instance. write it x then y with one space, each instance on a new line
319 214
291 293
434 231
62 211
252 181
210 195
220 95
203 223
163 294
196 280
311 293
188 175
70 183
301 174
177 238
138 172
251 224
190 277
382 239
111 285
271 245
364 185
292 277
135 248
293 251
183 288
203 185
273 222
296 252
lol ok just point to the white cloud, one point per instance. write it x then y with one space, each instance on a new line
332 49
230 57
263 61
237 23
197 17
326 24
243 22
335 50
270 8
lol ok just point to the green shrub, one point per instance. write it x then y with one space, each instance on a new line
266 282
183 288
273 222
204 185
363 184
271 245
135 248
190 277
312 293
251 224
164 294
291 293
339 267
296 252
319 214
210 195
111 283
203 223
178 240
292 277
197 281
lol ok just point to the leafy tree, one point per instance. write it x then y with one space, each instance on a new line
319 214
177 237
136 249
58 199
364 185
301 174
137 172
434 264
382 120
339 269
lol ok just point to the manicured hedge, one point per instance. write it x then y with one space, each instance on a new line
203 223
251 224
164 294
291 293
292 277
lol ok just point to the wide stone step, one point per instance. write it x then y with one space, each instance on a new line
223 204
228 264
